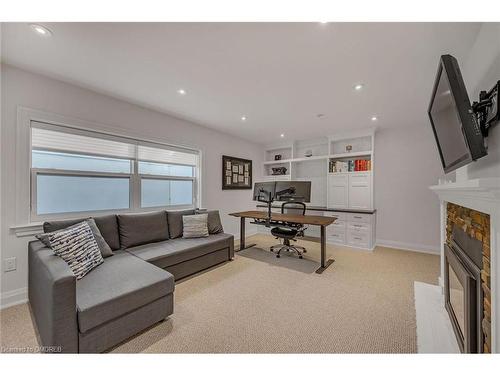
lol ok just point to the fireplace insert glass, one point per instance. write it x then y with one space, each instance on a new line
457 299
463 293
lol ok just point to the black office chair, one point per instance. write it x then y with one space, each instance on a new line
289 233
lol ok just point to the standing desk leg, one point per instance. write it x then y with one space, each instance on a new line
242 235
324 263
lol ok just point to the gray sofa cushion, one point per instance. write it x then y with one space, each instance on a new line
214 223
138 229
52 226
120 285
175 222
167 253
101 242
107 226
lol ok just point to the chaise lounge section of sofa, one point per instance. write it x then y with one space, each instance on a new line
130 291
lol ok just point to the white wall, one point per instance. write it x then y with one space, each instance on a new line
480 72
407 161
21 88
406 164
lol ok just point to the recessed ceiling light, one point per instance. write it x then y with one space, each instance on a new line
358 86
181 92
374 118
41 30
243 118
282 135
323 22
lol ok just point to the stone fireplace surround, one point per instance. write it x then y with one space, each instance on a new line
467 251
472 201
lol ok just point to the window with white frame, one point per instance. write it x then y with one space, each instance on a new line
76 171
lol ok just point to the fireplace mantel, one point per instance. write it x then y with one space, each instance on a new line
482 194
478 191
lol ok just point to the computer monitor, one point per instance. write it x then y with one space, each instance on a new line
293 191
264 191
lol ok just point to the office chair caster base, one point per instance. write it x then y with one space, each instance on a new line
300 256
278 256
275 247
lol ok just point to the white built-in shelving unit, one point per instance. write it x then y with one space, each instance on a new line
351 190
341 190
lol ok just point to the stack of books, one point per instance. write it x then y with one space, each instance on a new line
356 165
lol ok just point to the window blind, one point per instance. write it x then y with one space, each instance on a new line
167 155
51 140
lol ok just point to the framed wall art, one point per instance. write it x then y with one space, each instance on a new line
236 173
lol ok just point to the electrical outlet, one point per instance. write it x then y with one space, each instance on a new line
9 264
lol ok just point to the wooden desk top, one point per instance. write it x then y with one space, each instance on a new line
323 208
291 218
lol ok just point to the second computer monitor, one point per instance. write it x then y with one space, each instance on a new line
264 191
293 191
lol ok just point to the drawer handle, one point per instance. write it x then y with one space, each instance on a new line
358 217
358 225
358 238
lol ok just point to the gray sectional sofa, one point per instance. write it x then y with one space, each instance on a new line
130 291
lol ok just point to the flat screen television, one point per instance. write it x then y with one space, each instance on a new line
453 121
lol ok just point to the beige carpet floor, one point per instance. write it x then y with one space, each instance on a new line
363 303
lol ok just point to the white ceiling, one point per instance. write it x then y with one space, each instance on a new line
279 75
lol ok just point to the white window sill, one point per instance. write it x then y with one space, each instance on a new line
27 230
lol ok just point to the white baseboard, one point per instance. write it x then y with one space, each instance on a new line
14 297
409 246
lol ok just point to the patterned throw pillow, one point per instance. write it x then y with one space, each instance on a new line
77 246
101 242
195 226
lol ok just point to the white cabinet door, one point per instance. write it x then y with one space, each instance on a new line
359 190
338 191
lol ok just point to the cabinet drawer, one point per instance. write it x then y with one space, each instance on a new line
336 237
338 215
359 179
335 229
359 227
358 239
337 224
359 218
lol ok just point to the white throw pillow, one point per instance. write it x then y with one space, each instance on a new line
195 226
77 246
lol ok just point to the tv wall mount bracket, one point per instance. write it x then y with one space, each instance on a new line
486 109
